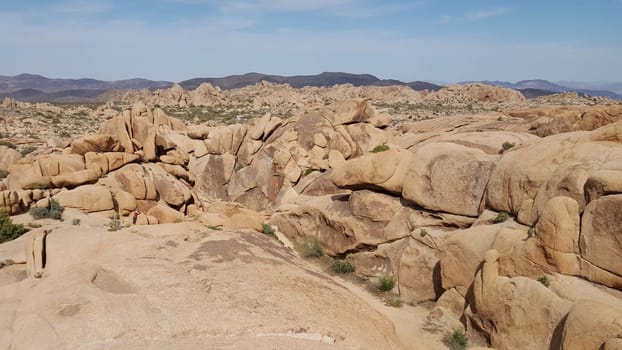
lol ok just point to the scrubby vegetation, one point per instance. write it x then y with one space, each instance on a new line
506 146
393 301
268 230
314 249
501 217
3 174
115 223
53 211
380 148
28 150
342 266
456 340
8 230
385 283
545 281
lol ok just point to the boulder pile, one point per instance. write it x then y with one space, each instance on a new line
509 222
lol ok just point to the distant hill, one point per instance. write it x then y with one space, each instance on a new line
47 85
64 96
298 81
542 85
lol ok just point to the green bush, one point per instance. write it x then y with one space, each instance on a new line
385 283
506 146
215 228
342 266
8 144
457 340
423 232
115 223
3 174
545 281
53 211
393 301
75 222
27 150
380 148
268 230
309 171
8 230
501 217
314 249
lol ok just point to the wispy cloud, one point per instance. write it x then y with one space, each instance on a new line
474 16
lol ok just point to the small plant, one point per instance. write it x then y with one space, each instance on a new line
215 228
268 230
385 283
545 281
501 217
380 148
499 119
309 171
506 146
342 266
8 144
393 301
75 222
423 232
28 150
53 211
33 225
531 232
457 340
314 249
8 230
39 186
115 223
3 174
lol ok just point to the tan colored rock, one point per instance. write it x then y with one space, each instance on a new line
76 178
95 143
117 129
247 150
211 173
88 198
515 312
9 202
165 214
35 253
233 216
125 202
106 162
558 228
384 169
600 241
170 190
592 325
320 140
8 156
603 182
135 180
198 132
448 177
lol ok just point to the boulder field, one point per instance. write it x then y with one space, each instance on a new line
509 222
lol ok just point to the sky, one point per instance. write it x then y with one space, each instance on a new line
429 40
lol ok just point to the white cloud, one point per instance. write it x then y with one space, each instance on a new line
474 16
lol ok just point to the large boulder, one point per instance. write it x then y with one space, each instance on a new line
134 179
211 174
592 325
170 189
76 178
448 177
8 156
109 161
515 313
601 239
165 214
88 198
95 143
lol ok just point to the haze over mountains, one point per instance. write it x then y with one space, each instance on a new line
37 88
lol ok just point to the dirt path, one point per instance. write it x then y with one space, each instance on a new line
408 320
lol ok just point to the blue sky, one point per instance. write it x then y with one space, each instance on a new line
440 40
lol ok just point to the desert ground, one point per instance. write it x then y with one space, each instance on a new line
269 217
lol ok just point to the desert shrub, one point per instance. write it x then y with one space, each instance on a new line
9 144
215 228
380 148
115 223
423 232
33 225
3 174
28 150
385 283
342 266
309 171
39 186
268 230
53 211
8 230
501 217
545 281
506 146
314 249
75 222
393 301
456 340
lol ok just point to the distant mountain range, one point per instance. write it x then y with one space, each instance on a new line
37 88
546 86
